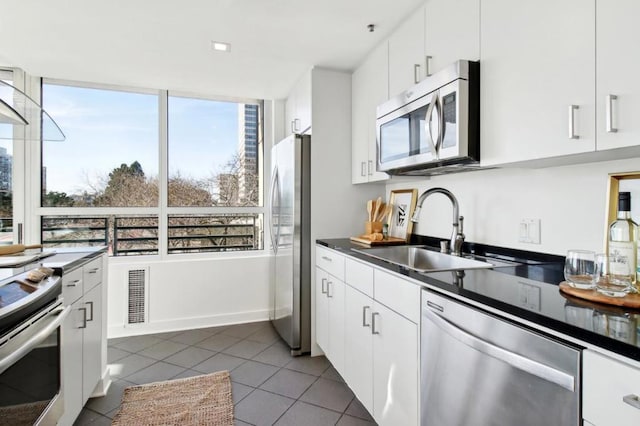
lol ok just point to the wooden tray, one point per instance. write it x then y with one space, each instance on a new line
629 301
389 241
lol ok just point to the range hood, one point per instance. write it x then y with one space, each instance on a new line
18 109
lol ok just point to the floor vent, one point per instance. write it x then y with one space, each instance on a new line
137 311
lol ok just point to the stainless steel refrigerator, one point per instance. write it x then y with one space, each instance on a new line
289 221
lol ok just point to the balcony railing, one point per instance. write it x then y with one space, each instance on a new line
138 235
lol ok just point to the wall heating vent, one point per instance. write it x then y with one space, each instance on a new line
137 297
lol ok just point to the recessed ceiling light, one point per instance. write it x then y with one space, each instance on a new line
221 46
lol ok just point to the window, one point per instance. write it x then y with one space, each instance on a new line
111 162
6 166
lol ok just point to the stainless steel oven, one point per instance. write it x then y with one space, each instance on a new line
30 320
434 125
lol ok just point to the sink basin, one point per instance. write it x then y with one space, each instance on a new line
423 260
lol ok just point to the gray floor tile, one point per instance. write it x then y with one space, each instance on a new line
189 357
253 373
239 391
264 335
114 354
86 417
331 374
289 383
347 420
187 373
111 400
311 365
277 354
157 372
163 349
328 394
191 337
137 343
242 331
301 413
262 408
167 335
102 421
356 409
112 414
116 341
246 349
217 342
129 365
237 422
219 362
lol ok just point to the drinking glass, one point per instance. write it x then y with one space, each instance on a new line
606 282
579 269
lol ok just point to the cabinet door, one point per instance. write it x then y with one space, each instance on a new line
303 103
617 70
395 368
445 44
358 354
537 61
71 374
406 54
289 114
92 341
322 310
359 126
335 294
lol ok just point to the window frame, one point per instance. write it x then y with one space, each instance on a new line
163 211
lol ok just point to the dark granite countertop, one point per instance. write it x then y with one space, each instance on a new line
528 290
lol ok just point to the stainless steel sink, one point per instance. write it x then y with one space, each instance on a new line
422 260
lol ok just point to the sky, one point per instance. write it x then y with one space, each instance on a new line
106 128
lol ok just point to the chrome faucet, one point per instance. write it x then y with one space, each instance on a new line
457 237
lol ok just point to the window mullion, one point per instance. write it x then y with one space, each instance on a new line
163 174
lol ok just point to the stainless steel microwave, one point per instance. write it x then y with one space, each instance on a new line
434 126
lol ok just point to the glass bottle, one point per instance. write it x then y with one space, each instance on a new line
623 243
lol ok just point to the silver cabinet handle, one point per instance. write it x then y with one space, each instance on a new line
572 122
329 293
416 73
93 271
324 289
91 306
632 400
364 316
609 113
370 168
328 259
515 360
73 283
427 63
296 126
363 168
84 317
373 323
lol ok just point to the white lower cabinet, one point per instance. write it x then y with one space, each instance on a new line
373 347
81 337
610 391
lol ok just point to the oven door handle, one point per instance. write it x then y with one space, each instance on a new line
515 360
19 347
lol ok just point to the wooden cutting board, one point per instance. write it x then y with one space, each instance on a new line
629 301
389 241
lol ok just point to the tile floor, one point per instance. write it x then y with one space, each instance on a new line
270 387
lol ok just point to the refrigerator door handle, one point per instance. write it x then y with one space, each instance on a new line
275 191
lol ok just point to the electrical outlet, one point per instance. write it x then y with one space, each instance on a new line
529 231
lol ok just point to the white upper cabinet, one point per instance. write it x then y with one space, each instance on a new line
298 107
537 79
446 43
369 88
407 60
617 69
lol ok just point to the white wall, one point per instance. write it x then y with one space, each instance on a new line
571 202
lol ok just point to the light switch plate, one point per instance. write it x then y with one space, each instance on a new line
529 231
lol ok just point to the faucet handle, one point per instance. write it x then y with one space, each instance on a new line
460 224
444 246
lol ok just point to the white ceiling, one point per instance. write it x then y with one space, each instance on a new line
166 44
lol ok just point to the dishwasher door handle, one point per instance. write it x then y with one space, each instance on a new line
518 361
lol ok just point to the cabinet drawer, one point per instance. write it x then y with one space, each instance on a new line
397 294
92 273
359 276
606 383
72 286
331 261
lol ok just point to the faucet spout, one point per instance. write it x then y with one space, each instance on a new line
457 237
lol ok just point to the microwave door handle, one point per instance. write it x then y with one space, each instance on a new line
427 125
440 142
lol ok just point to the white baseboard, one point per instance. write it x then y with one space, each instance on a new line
181 324
103 385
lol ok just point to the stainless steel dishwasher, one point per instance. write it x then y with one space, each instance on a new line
480 370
